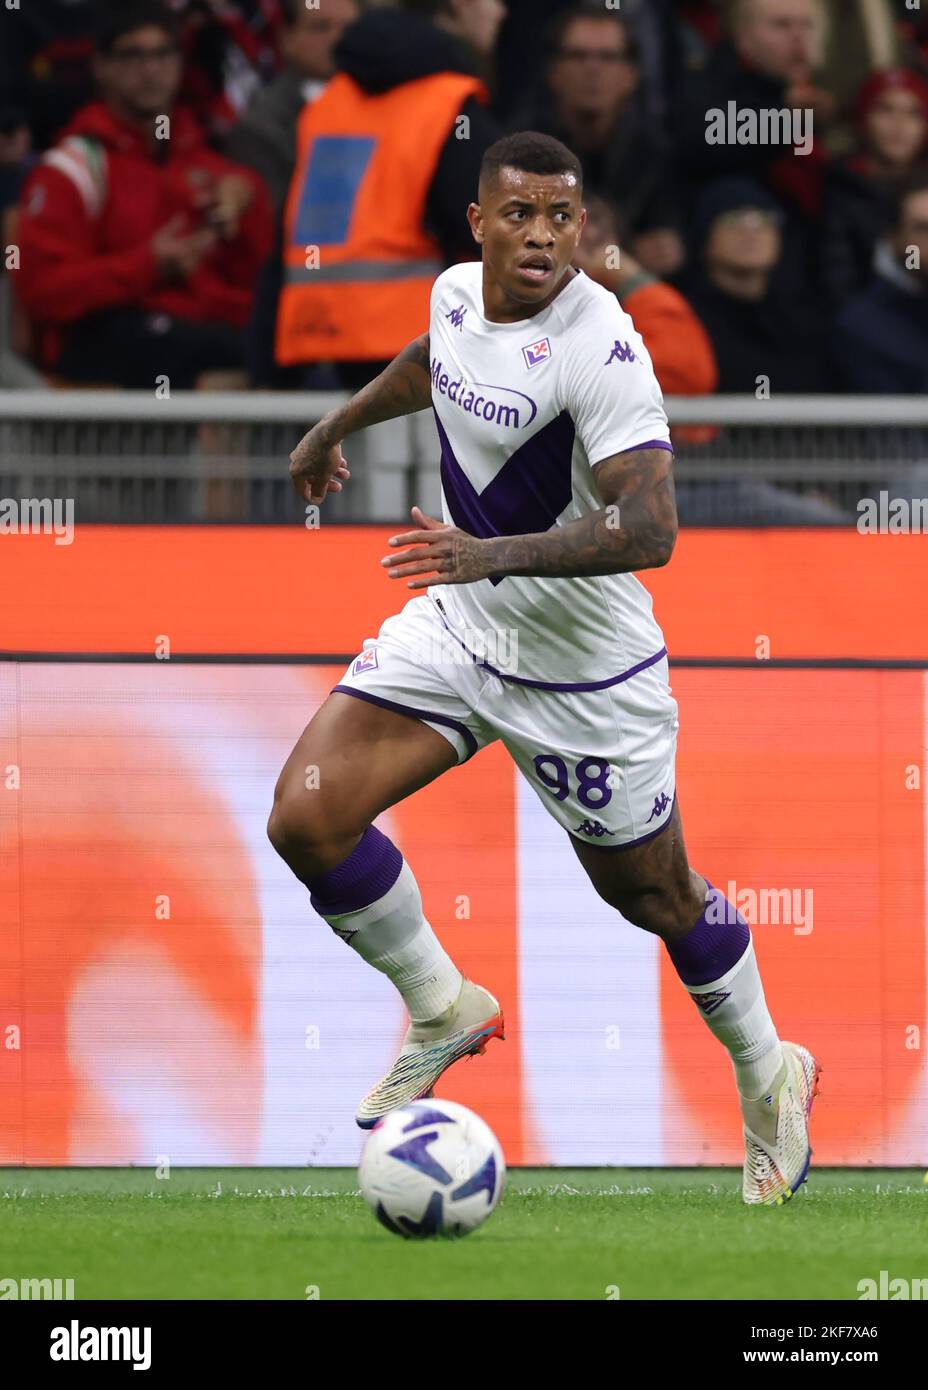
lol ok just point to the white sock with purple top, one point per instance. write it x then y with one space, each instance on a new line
372 901
716 963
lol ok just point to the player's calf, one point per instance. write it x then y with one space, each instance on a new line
354 761
651 884
710 946
666 909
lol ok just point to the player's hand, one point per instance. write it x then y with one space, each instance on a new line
317 468
450 556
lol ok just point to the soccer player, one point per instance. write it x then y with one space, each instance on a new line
556 472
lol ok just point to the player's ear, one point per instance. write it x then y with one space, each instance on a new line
475 218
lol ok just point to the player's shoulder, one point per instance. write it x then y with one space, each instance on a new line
462 279
591 307
597 331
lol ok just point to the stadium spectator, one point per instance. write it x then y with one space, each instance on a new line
16 157
139 245
520 56
859 37
388 161
265 137
862 189
882 334
701 28
230 49
592 77
913 38
45 61
679 346
760 333
767 64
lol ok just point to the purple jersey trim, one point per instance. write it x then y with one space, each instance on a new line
629 844
650 444
554 685
413 713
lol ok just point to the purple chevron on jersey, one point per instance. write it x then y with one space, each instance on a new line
528 493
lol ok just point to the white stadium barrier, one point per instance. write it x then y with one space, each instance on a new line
131 456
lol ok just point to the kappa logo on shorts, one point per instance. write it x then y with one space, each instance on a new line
660 806
592 827
365 662
537 352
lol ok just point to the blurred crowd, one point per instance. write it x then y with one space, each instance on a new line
258 193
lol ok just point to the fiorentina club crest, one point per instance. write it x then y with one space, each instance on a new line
366 661
536 353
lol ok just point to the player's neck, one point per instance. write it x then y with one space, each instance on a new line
499 307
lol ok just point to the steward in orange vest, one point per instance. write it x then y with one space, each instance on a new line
361 244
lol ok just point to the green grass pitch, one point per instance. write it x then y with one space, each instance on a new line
558 1234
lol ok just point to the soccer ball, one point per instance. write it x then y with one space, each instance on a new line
432 1168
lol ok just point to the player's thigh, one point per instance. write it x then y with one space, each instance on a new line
353 761
399 717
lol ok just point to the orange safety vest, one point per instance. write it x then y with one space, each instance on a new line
358 262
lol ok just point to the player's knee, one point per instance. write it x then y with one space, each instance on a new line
282 828
650 909
667 908
303 832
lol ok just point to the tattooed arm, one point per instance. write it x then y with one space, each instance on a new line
404 387
635 530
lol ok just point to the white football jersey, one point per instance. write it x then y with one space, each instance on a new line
524 411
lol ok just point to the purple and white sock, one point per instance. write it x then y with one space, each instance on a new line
717 965
372 901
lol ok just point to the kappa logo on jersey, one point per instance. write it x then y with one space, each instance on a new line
712 1000
457 317
620 353
660 806
366 661
537 352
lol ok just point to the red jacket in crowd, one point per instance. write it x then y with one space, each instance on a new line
90 208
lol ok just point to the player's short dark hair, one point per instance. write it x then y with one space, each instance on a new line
532 153
589 9
113 19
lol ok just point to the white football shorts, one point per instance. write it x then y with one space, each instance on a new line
601 759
